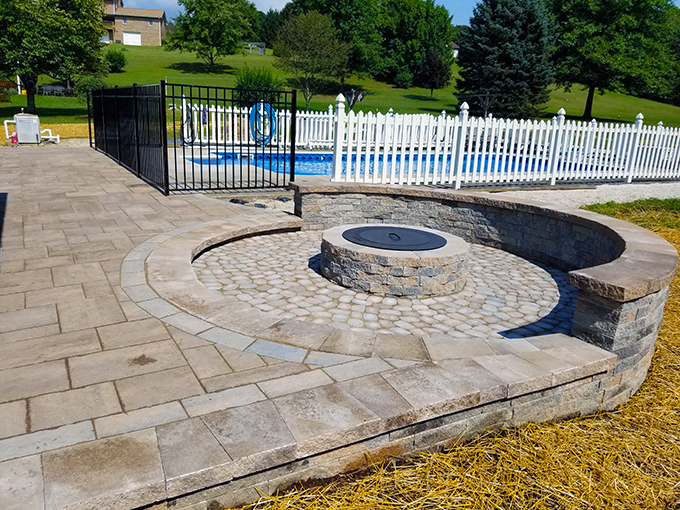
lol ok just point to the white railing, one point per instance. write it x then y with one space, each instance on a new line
424 149
214 124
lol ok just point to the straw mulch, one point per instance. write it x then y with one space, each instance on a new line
628 459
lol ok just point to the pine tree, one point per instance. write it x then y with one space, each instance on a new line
505 58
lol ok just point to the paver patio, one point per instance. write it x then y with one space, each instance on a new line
113 397
78 359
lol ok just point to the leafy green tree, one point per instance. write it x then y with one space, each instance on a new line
434 72
356 23
59 38
505 58
614 45
211 28
410 29
309 48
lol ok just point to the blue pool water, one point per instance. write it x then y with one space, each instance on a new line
319 163
305 164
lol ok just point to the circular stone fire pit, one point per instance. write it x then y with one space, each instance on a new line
393 260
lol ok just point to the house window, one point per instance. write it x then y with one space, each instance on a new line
124 21
150 22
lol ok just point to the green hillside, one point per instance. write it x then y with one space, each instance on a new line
152 64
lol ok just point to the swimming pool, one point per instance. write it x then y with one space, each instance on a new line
321 163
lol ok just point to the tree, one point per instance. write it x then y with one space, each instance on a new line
270 24
614 45
211 28
308 47
356 23
434 72
505 58
59 38
410 29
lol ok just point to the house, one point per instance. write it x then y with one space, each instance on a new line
454 49
134 27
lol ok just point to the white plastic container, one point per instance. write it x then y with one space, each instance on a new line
28 127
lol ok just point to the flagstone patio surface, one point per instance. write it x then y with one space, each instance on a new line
121 387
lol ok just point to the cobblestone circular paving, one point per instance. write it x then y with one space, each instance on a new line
504 294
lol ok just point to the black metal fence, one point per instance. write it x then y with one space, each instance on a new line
129 125
189 137
224 138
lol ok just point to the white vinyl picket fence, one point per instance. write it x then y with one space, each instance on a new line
213 124
455 150
424 149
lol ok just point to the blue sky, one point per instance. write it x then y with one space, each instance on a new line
460 9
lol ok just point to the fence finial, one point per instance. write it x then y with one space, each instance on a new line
463 113
340 98
640 117
660 124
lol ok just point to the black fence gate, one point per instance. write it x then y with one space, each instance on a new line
189 137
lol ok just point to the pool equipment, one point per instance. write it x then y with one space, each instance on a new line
262 122
28 129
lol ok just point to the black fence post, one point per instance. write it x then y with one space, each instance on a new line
106 141
164 140
89 118
136 134
115 107
293 115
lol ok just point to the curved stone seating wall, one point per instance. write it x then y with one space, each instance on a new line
622 271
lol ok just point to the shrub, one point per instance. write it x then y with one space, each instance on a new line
251 84
4 96
116 60
404 79
87 84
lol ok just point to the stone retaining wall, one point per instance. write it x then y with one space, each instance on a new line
622 271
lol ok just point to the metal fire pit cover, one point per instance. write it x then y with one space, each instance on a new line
391 237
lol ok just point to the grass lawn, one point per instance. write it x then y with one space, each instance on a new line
628 458
152 64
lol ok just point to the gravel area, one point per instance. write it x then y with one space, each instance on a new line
601 193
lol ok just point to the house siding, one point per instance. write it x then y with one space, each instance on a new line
151 35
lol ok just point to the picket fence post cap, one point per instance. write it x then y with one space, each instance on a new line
340 98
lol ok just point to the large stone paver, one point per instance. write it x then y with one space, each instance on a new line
70 406
117 473
112 396
21 484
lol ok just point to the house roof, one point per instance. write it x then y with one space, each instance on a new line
140 13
